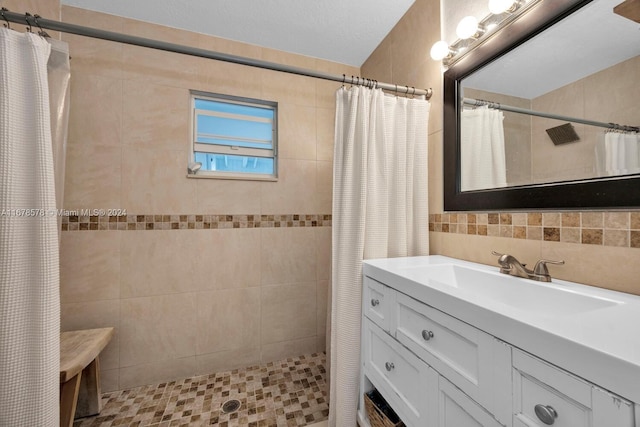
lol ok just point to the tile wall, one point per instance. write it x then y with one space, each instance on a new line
198 275
599 248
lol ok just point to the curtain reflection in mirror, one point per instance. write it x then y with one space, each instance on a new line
483 162
618 153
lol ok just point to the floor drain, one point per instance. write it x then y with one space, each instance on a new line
230 406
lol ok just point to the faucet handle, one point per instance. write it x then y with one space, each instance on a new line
496 253
541 267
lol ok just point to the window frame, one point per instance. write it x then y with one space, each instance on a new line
210 148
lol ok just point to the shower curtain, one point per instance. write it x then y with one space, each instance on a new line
380 209
482 160
29 273
618 153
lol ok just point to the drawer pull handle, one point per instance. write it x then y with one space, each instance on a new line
546 414
427 335
374 302
389 366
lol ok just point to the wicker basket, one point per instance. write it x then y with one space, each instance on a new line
376 417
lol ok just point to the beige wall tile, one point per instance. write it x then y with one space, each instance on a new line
109 379
92 177
295 190
591 265
230 79
156 116
228 196
288 255
228 320
325 128
296 131
49 9
89 266
156 329
289 88
157 262
322 299
175 261
155 181
228 360
226 258
94 123
151 65
617 220
288 312
157 371
93 57
325 187
436 180
277 351
323 248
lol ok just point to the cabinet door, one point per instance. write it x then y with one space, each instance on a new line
456 409
546 395
402 379
471 359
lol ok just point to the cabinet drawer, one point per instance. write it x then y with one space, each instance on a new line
456 409
377 302
472 360
399 376
561 399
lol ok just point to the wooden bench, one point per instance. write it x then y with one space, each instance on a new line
80 373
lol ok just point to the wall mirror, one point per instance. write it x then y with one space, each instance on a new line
544 114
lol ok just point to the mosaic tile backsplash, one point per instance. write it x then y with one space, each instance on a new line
73 222
618 229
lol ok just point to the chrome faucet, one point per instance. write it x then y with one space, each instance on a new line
510 265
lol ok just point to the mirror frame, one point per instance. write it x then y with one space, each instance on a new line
597 193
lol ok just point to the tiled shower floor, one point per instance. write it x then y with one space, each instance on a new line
289 392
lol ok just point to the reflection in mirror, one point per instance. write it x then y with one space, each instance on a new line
563 106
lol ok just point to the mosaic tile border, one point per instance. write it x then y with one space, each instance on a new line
617 229
132 222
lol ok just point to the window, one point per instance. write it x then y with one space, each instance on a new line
234 137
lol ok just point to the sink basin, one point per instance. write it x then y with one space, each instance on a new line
553 298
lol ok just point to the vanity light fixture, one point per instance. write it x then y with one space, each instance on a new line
501 6
469 27
470 31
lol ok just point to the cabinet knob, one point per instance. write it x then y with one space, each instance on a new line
374 302
546 414
427 335
389 366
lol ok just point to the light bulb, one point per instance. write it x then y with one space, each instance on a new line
439 50
467 27
500 6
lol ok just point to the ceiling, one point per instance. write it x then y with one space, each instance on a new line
346 32
588 41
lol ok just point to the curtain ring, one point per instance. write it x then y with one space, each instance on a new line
407 92
26 19
42 32
2 11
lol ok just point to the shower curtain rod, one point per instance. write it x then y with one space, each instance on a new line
498 106
40 23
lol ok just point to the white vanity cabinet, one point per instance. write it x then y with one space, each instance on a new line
436 370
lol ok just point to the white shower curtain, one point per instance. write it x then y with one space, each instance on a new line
618 153
29 274
482 160
380 209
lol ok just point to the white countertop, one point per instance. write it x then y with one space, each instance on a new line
600 345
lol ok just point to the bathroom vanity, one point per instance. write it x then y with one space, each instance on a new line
451 343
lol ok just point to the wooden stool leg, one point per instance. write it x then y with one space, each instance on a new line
89 399
68 398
